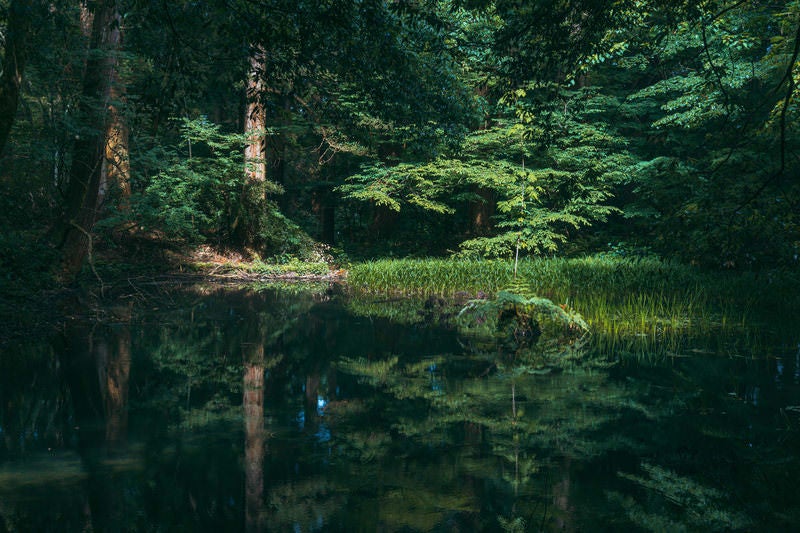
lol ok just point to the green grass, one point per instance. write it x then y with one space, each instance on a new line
629 304
424 277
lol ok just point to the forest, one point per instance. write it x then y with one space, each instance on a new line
354 130
399 265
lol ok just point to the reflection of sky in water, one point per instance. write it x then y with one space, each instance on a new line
321 403
436 384
780 367
323 434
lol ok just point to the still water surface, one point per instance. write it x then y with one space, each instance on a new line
242 410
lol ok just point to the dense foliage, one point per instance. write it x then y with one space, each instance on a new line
526 197
481 128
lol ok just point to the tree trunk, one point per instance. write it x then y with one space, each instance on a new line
482 211
116 170
383 220
17 36
323 204
255 120
89 169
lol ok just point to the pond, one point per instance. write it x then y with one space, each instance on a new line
269 409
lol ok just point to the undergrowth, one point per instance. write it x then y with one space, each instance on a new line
265 269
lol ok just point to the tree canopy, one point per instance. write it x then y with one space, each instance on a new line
407 127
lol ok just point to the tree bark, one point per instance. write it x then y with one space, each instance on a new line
255 171
115 172
116 169
255 120
323 204
89 168
482 211
17 37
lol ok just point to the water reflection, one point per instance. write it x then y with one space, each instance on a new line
243 410
255 438
112 355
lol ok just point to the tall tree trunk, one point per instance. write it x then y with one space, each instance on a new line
17 36
89 169
255 119
116 170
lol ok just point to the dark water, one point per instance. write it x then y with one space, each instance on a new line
228 410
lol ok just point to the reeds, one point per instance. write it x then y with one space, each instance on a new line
630 305
425 277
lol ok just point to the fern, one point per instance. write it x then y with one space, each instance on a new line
525 314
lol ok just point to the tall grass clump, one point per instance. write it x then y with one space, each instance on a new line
560 279
425 277
636 302
592 282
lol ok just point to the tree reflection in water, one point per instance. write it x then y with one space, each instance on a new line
245 410
253 406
